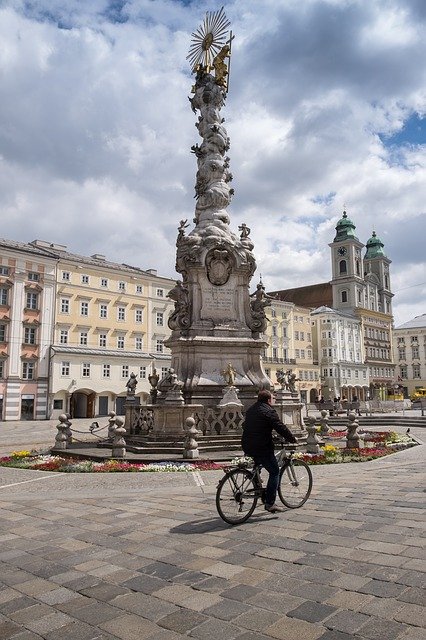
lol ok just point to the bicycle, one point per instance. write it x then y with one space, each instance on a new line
240 489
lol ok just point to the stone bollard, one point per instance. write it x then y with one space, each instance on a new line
61 439
312 442
119 443
190 445
352 437
68 432
324 423
111 425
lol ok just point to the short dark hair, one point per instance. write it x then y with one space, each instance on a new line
264 395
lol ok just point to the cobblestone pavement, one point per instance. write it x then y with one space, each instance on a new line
145 556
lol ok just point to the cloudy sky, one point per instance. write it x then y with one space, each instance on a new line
326 109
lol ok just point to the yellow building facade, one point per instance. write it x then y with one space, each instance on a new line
289 338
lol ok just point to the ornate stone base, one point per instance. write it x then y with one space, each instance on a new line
170 420
200 361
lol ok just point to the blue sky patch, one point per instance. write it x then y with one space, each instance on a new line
412 133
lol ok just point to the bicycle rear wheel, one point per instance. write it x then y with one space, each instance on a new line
295 483
236 496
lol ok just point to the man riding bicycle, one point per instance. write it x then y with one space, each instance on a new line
260 420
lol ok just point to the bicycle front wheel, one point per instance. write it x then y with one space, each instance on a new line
295 483
236 496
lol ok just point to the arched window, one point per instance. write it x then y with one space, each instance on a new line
343 296
342 266
358 271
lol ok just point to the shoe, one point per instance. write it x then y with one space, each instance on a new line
273 508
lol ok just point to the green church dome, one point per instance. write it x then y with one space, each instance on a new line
345 229
374 247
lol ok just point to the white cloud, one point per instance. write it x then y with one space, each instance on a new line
96 128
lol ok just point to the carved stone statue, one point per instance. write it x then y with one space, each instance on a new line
169 382
180 318
153 379
245 230
229 375
258 301
281 376
131 384
291 381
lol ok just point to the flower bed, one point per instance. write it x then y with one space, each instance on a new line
46 462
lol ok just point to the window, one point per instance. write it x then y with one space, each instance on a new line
121 313
159 347
274 331
138 343
65 305
160 293
164 371
284 332
120 342
284 315
297 353
274 352
273 313
125 371
63 336
106 371
65 368
4 271
84 308
85 370
28 370
104 282
66 275
84 279
139 288
343 296
302 353
29 335
308 336
83 337
58 404
142 373
3 296
415 351
122 286
159 318
416 371
302 335
296 335
342 266
34 277
102 340
32 301
139 315
103 311
2 333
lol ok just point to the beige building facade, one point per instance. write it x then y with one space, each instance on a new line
289 337
27 310
410 354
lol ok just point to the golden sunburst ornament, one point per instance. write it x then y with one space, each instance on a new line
208 39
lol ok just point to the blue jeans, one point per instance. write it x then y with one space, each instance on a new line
269 462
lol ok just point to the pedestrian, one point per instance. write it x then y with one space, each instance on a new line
260 421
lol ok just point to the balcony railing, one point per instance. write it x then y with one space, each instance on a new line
269 360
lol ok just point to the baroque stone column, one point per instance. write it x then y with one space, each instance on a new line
215 321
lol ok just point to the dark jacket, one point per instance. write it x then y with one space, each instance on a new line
260 420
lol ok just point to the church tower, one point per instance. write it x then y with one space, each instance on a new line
376 268
347 282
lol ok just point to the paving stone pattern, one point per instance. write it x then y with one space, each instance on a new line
136 557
